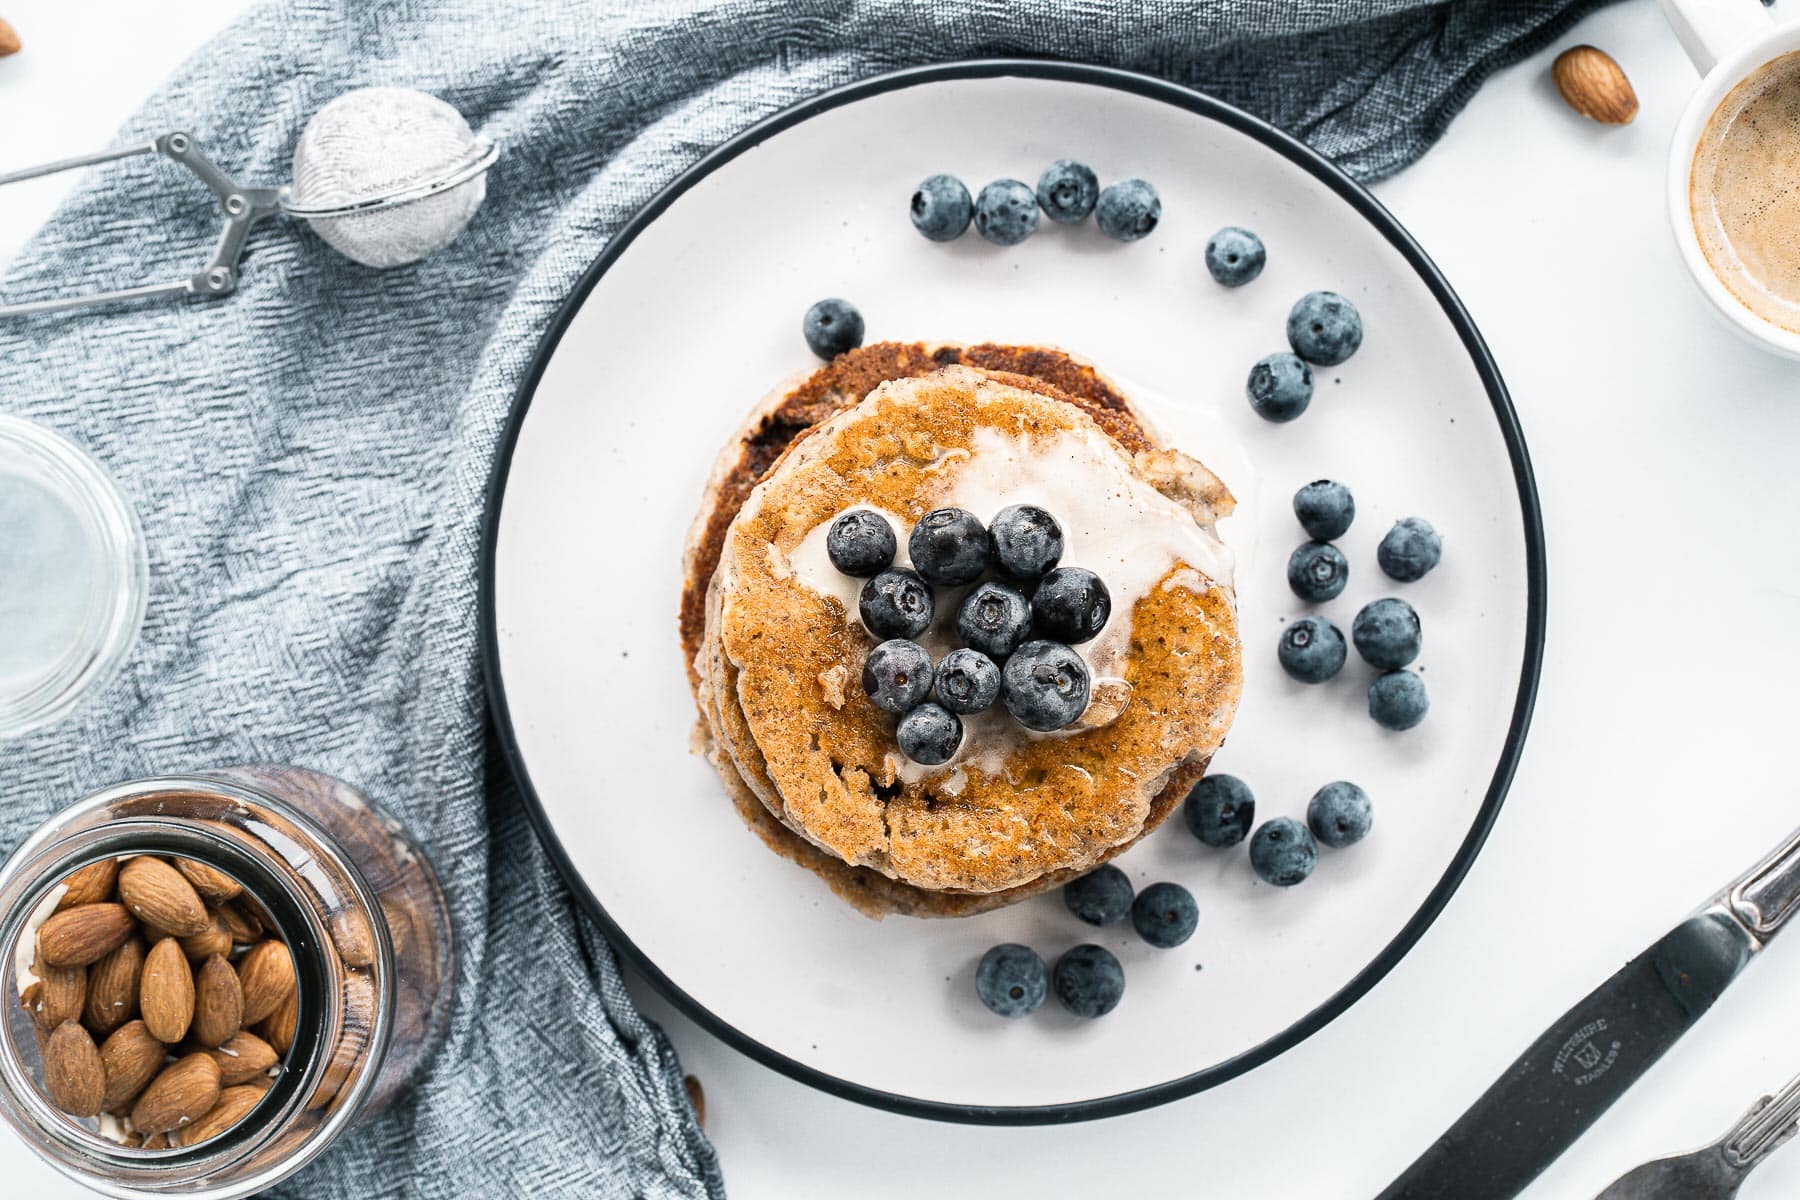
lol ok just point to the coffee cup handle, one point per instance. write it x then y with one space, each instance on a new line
1711 29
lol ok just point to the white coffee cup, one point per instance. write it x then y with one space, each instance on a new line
1728 40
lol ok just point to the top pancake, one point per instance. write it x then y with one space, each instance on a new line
795 408
788 413
777 650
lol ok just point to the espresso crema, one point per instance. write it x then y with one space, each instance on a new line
1744 192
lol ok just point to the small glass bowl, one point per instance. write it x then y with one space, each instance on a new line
74 577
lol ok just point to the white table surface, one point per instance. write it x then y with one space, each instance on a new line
1659 763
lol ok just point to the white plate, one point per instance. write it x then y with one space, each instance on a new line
694 311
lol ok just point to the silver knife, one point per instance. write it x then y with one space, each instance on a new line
1594 1052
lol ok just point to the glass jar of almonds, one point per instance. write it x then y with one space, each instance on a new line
209 977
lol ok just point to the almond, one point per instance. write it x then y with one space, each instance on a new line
156 1141
90 885
112 988
1594 85
77 936
696 1097
234 1105
355 940
157 894
409 1013
61 997
182 1094
347 1055
243 924
242 1057
72 1071
267 976
212 883
131 1058
215 939
277 1028
166 993
218 1002
9 40
399 927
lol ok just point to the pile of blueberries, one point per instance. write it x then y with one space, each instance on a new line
1089 980
1324 329
1016 631
1386 632
1006 211
1221 809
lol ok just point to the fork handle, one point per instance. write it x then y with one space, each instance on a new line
1768 1125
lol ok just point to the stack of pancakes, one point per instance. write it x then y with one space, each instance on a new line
775 659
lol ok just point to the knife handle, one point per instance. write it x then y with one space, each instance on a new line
1578 1067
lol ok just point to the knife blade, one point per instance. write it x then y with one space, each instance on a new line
1595 1051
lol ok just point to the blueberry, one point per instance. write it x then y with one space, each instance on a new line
897 675
1089 981
1339 814
1066 191
1312 649
1128 210
1235 256
1044 686
1006 212
1386 633
930 734
1282 852
1012 980
1325 509
1101 897
1324 328
861 543
1280 387
1220 810
949 547
1071 606
994 619
1410 549
896 604
1164 914
1028 541
1317 571
967 681
1397 700
941 208
832 327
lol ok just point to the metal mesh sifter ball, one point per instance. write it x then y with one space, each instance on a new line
385 141
384 175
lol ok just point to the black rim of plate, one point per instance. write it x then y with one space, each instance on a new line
1366 206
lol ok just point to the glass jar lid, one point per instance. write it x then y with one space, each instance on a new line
73 576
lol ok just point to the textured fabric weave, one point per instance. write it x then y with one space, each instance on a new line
309 457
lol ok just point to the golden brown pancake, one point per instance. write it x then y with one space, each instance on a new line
775 653
782 417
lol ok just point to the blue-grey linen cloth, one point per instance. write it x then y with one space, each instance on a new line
309 457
